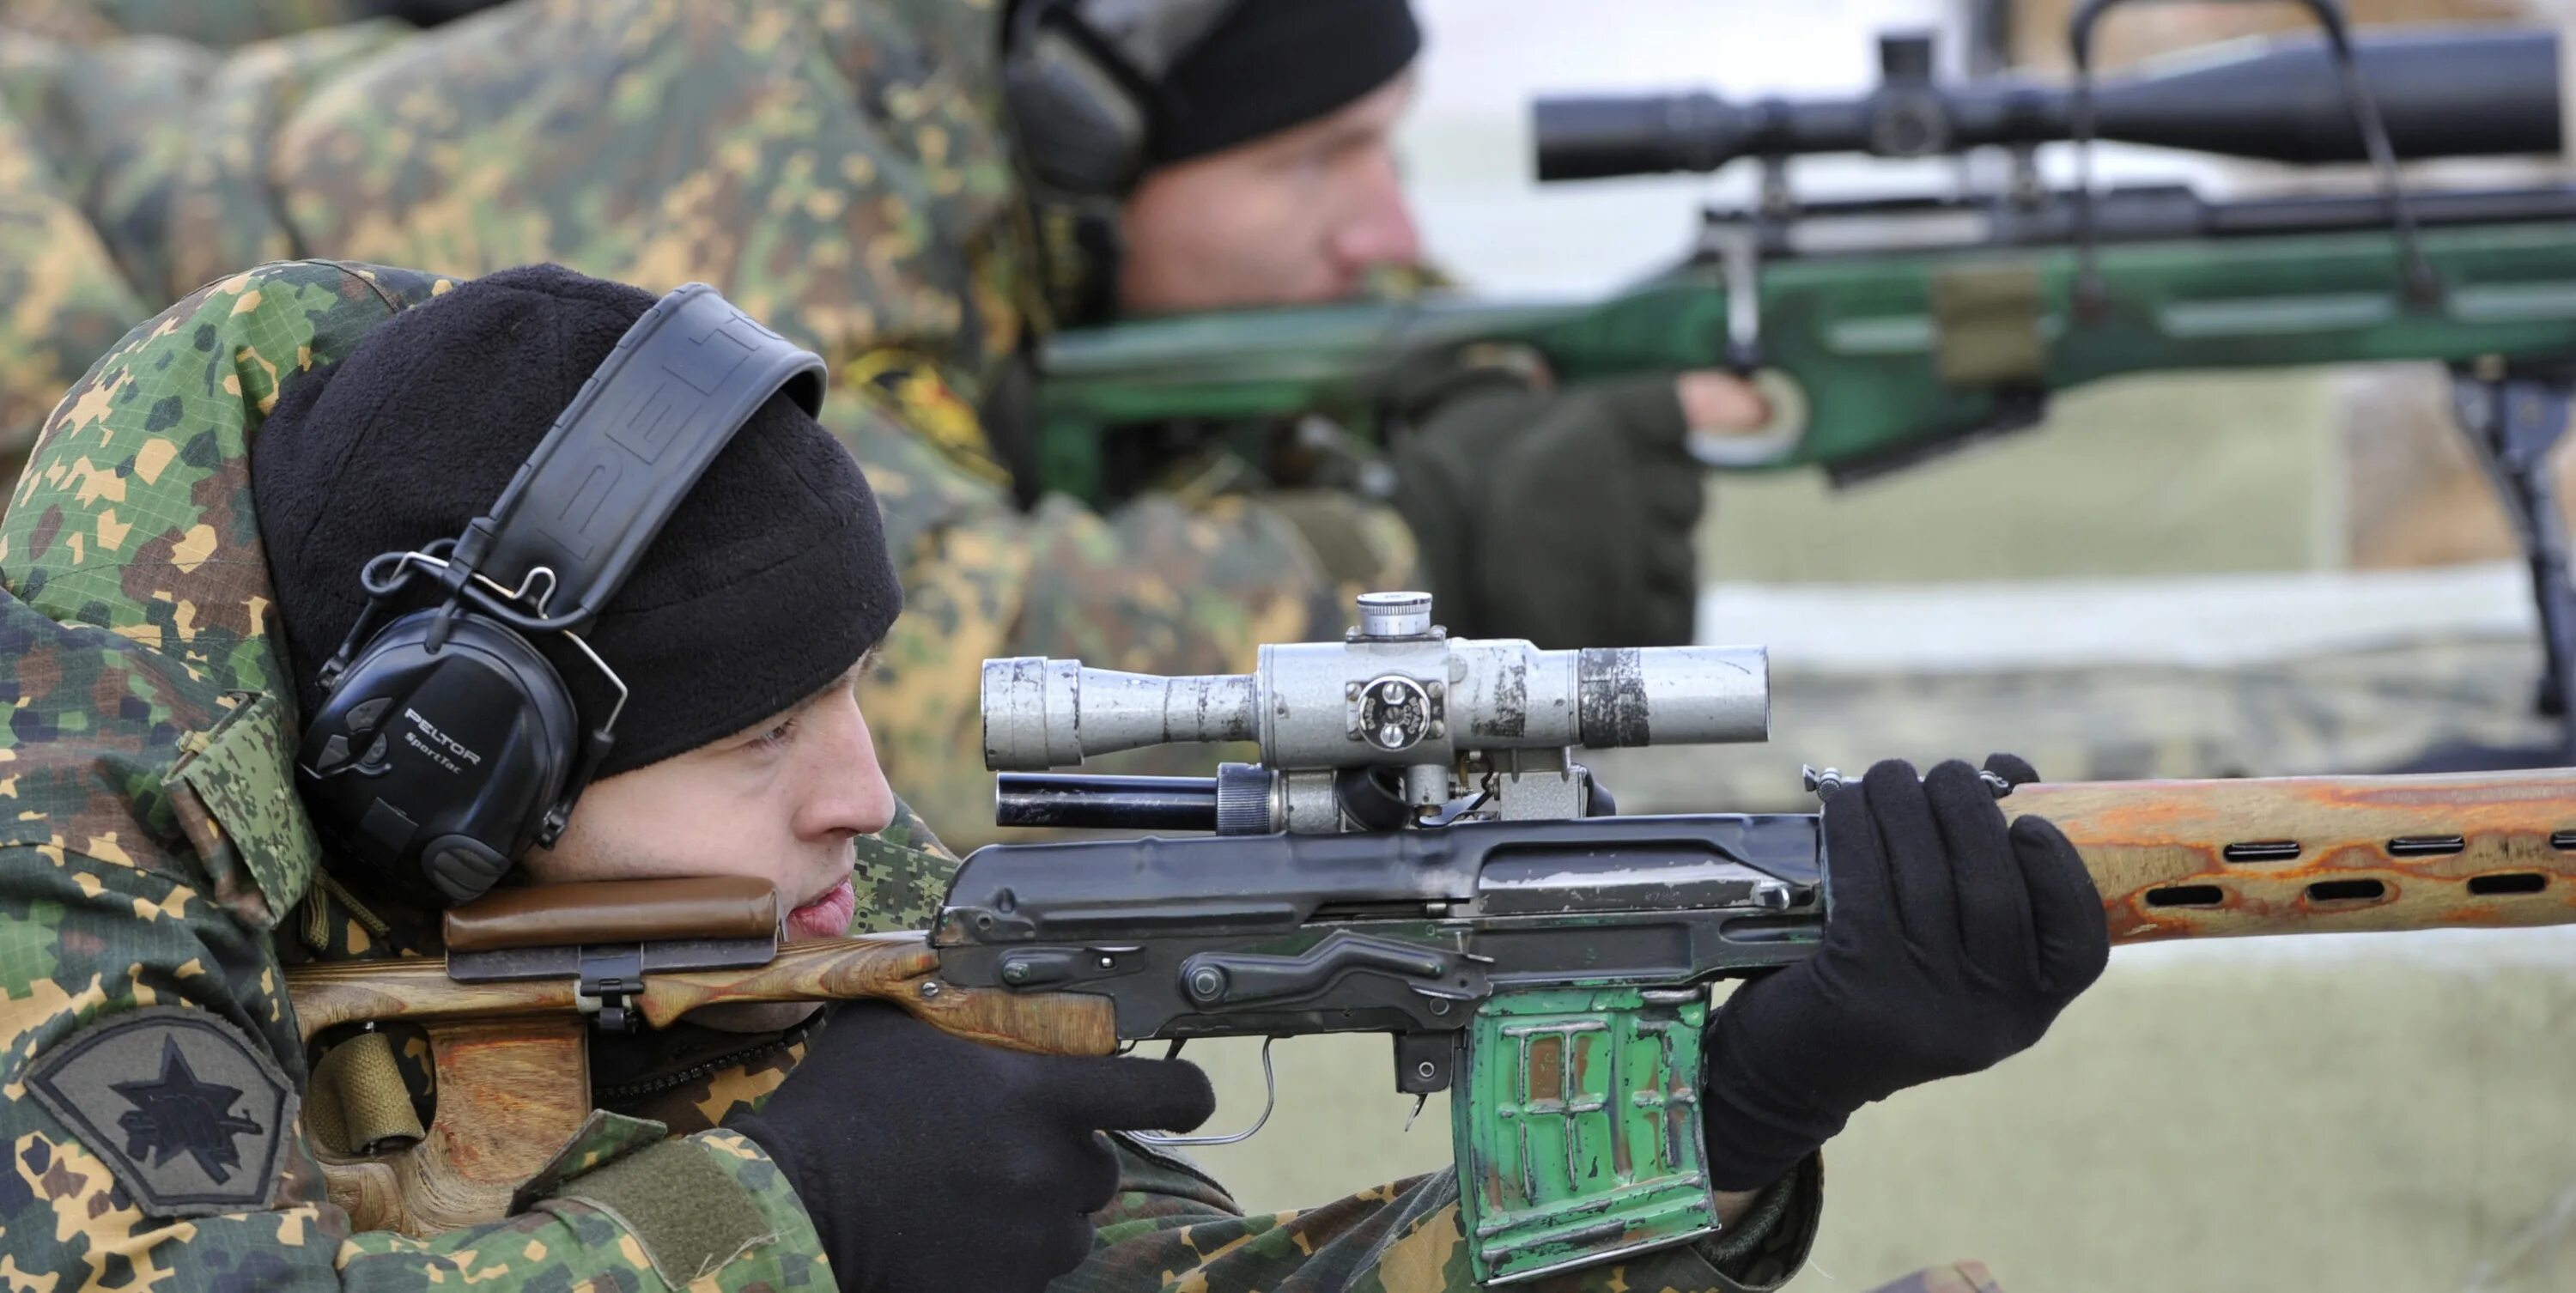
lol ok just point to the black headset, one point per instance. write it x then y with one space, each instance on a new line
446 743
1079 78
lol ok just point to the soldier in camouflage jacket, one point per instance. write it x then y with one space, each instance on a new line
158 873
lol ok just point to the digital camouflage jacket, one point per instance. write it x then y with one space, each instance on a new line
835 167
218 24
157 874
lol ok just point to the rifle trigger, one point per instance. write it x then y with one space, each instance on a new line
1269 1080
1418 1102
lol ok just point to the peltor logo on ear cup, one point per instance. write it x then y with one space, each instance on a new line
438 745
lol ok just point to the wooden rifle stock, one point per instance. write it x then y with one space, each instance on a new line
513 1059
892 967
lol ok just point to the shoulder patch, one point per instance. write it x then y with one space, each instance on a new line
187 1113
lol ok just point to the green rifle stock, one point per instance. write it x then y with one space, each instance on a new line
1883 354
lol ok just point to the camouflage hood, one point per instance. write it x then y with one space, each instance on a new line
151 719
154 720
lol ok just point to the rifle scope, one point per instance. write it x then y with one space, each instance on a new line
1398 692
2458 93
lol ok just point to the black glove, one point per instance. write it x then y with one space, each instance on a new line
930 1162
1950 943
1566 519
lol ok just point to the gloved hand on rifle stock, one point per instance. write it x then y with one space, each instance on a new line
930 1162
1566 517
1952 941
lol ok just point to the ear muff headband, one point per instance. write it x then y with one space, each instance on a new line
1079 77
622 455
447 743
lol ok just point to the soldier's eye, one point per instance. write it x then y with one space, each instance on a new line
776 736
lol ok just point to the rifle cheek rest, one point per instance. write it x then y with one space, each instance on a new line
615 911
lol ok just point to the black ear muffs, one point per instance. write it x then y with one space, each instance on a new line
1079 77
447 743
444 759
1080 121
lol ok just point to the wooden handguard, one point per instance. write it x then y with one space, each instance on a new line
2295 855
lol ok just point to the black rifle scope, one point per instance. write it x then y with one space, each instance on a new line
2462 92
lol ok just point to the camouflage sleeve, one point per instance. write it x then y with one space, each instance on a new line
218 23
1174 1228
168 144
67 300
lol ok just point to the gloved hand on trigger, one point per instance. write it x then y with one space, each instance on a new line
1951 942
1563 518
927 1161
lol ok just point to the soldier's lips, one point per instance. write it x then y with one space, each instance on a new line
825 917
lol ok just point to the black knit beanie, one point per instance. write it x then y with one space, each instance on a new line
770 580
1273 64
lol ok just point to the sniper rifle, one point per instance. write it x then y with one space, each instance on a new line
1419 854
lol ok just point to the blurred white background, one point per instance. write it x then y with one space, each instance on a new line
1467 146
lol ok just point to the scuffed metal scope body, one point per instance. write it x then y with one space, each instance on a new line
1391 701
1398 694
2458 93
